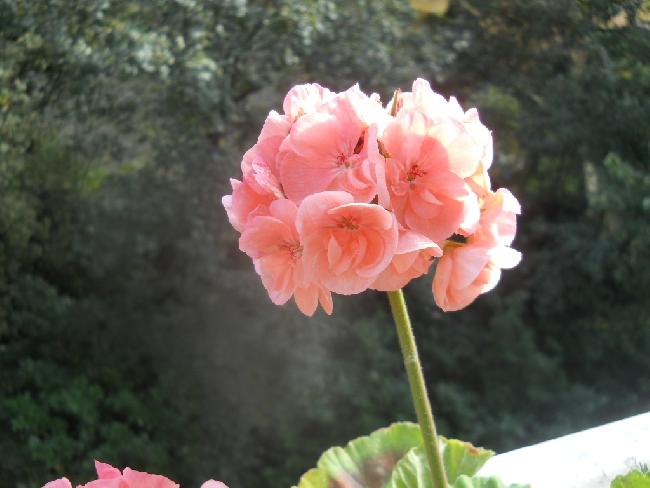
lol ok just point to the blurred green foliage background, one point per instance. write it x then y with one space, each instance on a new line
133 331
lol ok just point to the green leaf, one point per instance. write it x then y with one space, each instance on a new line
367 462
459 458
314 478
462 458
413 472
633 479
392 457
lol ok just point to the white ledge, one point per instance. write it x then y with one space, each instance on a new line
588 459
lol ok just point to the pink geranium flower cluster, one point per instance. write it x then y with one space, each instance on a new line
110 477
341 194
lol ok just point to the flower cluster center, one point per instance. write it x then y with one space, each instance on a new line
294 249
415 172
342 161
348 223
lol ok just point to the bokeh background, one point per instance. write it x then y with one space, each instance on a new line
132 330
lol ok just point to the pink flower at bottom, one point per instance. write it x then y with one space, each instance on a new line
213 484
110 477
464 272
60 483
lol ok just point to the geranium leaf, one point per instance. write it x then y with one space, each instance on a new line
392 457
366 462
461 457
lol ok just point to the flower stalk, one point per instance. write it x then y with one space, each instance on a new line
418 388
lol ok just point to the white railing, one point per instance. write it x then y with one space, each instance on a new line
588 459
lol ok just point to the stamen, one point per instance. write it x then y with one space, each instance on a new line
415 172
294 248
342 161
348 223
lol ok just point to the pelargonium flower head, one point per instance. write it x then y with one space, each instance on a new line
275 246
340 194
346 244
413 257
329 150
426 196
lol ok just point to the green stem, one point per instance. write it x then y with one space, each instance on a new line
418 388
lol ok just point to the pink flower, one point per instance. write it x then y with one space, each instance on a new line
260 185
425 194
275 130
346 245
467 141
276 248
305 99
259 175
329 150
300 100
481 136
245 202
60 483
213 484
413 258
479 182
110 477
467 270
464 272
498 223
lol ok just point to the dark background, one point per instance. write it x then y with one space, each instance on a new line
132 330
